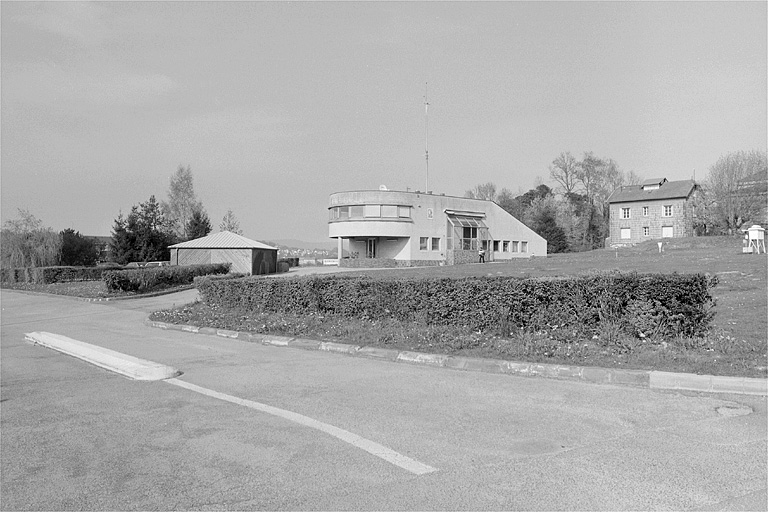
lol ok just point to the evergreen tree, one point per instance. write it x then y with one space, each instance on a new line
76 250
199 225
230 223
545 224
143 236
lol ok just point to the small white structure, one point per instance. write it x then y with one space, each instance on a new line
756 236
246 256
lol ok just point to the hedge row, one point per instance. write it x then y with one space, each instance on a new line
644 304
148 279
48 275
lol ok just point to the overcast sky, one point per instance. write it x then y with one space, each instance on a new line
277 105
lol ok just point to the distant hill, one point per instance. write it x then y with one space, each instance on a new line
300 244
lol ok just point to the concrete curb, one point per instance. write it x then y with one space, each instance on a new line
129 366
595 375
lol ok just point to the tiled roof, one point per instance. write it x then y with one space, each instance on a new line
668 190
222 240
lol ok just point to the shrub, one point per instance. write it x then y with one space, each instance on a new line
572 304
144 280
49 275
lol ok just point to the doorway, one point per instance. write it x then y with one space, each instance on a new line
370 248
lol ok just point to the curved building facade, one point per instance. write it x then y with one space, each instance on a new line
387 228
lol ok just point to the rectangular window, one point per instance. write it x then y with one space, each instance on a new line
626 233
667 232
356 212
333 213
423 243
343 212
523 246
515 245
505 246
495 246
388 211
435 244
372 210
646 231
404 212
668 210
625 213
645 211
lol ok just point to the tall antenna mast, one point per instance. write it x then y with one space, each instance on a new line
426 137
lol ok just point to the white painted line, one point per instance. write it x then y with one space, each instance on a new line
371 447
129 366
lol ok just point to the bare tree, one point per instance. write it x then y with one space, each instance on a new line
589 174
735 187
632 178
182 201
564 171
230 223
24 242
485 191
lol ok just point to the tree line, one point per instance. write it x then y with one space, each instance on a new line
574 216
150 227
144 234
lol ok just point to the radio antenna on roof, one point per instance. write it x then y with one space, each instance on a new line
426 137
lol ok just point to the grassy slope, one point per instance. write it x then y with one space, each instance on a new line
736 346
742 302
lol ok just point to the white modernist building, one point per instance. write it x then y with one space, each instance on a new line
388 228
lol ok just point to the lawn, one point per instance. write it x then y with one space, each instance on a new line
82 289
736 345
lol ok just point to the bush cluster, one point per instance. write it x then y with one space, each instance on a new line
292 261
144 280
638 304
48 275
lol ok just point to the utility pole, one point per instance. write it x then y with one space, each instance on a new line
426 138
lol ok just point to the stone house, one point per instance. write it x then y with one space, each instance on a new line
655 209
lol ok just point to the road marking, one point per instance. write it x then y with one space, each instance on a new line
369 446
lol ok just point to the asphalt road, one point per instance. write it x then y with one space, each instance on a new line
77 437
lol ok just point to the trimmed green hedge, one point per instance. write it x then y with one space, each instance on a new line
48 275
143 280
643 304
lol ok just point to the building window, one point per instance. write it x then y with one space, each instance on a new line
435 244
388 211
646 231
523 246
668 210
667 232
626 233
515 245
495 246
645 211
469 239
423 243
505 246
625 213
